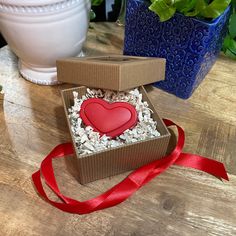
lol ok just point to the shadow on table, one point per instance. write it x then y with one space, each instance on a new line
6 147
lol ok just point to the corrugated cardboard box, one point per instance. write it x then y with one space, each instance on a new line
115 160
114 72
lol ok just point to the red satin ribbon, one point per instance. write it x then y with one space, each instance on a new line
129 185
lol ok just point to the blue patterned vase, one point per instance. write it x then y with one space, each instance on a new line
189 45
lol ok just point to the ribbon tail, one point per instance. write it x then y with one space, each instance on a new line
207 165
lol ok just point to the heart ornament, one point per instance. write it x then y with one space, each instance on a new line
111 119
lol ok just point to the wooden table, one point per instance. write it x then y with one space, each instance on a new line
179 202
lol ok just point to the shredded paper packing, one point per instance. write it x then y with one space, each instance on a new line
88 141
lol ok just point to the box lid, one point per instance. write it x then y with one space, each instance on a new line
115 72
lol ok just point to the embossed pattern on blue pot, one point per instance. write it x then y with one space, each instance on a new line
190 45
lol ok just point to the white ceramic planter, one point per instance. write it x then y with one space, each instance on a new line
40 32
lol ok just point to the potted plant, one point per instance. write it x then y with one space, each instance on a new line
188 33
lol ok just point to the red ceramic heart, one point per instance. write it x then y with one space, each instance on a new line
111 119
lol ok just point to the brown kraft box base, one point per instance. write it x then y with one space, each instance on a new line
120 159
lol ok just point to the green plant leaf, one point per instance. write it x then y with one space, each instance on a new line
163 8
92 14
200 6
233 2
229 47
230 54
226 43
209 9
215 8
232 25
96 2
192 10
232 46
185 6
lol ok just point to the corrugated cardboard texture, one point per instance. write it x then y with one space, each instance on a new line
115 72
117 160
1 100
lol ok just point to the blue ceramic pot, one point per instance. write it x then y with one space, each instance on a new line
189 45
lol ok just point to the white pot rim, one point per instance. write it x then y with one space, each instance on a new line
32 2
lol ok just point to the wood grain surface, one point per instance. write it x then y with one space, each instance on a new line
179 202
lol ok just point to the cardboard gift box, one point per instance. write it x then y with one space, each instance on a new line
114 73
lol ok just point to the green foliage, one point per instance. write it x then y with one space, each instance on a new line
92 14
0 88
229 46
96 2
165 9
